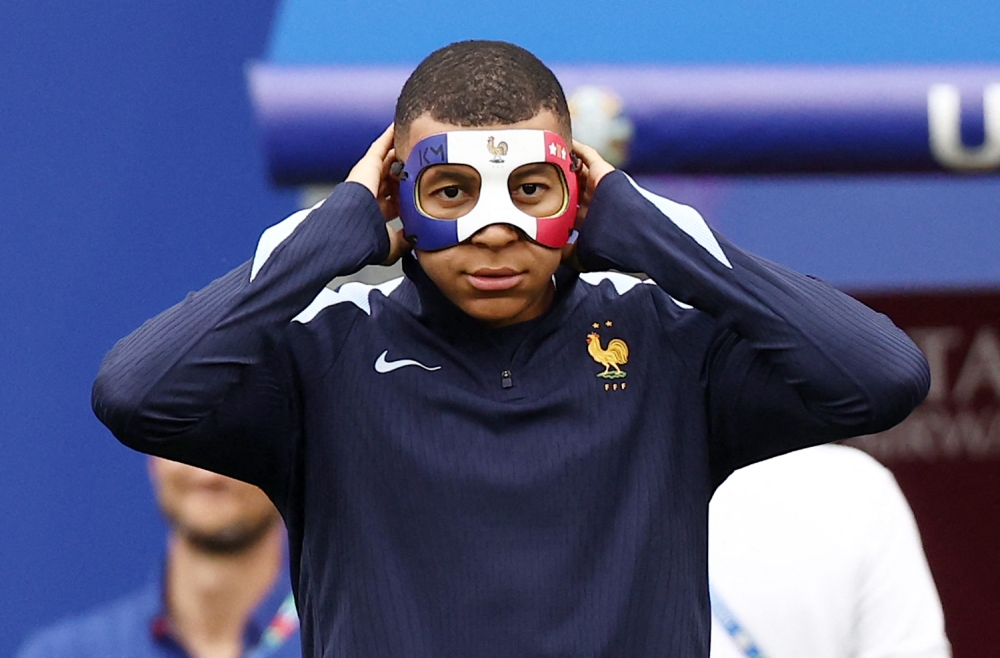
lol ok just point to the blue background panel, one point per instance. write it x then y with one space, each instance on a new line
130 173
672 31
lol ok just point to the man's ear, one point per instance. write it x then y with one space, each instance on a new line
399 143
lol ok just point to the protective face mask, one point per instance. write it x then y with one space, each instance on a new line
490 157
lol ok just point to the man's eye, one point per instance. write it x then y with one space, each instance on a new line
531 189
451 192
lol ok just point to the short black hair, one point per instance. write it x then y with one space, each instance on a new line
479 83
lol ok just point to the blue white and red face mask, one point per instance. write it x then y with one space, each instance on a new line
495 155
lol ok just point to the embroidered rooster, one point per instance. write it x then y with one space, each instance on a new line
615 355
498 151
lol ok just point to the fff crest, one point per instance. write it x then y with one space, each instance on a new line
611 357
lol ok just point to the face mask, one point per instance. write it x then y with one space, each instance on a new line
482 188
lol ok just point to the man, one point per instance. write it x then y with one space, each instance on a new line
492 455
223 591
816 554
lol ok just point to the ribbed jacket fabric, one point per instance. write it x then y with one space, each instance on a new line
457 491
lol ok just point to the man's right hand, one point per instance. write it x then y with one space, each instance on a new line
372 171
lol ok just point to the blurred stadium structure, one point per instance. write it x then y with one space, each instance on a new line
317 121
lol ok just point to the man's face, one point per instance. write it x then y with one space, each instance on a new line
213 512
498 276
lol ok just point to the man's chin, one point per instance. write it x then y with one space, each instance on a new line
503 309
231 540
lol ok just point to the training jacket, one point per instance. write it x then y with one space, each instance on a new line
453 491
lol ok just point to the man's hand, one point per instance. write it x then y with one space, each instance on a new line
372 171
593 169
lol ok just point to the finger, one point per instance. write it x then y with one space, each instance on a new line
597 167
380 148
386 166
368 170
387 161
587 153
383 144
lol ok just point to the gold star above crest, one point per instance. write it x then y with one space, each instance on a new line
608 323
596 326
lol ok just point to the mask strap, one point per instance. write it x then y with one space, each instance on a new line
396 169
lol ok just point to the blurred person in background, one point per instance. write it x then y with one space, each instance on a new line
223 591
816 554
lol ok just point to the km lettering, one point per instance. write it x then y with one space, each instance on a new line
426 156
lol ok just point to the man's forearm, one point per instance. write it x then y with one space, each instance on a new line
177 367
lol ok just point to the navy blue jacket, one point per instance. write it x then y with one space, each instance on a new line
527 491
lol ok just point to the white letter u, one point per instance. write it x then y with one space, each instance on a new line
944 121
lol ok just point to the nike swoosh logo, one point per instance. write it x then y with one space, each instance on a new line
383 366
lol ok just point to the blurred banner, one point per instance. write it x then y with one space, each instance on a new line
317 121
946 455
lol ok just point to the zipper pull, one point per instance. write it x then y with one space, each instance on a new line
505 380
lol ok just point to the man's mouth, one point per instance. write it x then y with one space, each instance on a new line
492 279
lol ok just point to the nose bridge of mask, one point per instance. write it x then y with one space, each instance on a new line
495 155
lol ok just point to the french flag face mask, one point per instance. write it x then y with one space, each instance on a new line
455 183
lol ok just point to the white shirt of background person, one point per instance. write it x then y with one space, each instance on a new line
817 555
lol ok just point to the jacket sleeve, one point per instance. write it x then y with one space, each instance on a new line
207 382
794 362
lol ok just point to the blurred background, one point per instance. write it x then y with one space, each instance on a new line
134 167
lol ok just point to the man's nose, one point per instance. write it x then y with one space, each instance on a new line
496 236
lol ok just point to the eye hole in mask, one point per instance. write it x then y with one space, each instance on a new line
448 191
538 189
451 191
